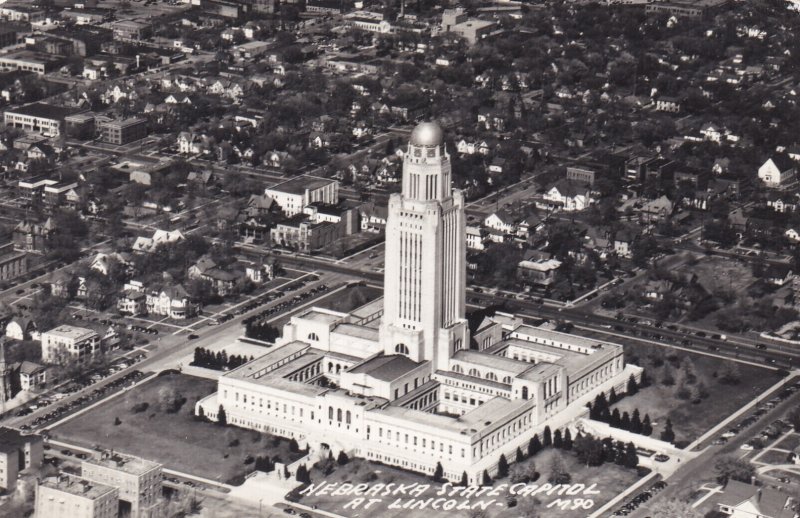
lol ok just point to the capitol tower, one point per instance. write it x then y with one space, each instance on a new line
425 276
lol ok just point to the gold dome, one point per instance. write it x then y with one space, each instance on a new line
427 134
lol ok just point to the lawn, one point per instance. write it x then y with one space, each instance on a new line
774 457
349 299
721 274
690 420
174 438
789 443
610 480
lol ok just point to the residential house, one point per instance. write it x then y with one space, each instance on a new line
32 376
668 104
132 302
476 238
503 221
741 500
171 301
191 144
160 237
566 196
30 236
538 270
623 242
778 274
777 171
373 217
781 202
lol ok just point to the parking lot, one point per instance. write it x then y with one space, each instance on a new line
640 498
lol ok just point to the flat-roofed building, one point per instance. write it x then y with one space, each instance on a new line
71 341
29 61
301 233
120 132
408 390
38 117
581 173
75 497
55 194
138 480
19 12
295 194
689 8
80 125
17 452
8 35
132 30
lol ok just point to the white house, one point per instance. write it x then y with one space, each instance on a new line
502 221
170 301
160 237
568 196
777 171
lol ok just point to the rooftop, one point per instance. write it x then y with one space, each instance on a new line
42 110
300 184
71 332
12 439
126 463
79 486
386 368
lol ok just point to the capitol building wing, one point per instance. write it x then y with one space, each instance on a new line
401 380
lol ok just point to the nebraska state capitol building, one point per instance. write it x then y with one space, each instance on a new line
397 380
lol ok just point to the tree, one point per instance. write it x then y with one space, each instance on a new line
502 466
676 509
169 399
589 450
117 421
487 480
733 468
647 428
612 396
558 471
636 422
615 418
567 440
730 374
222 417
548 437
519 457
534 446
342 459
625 422
631 458
293 446
464 480
558 442
599 406
302 474
632 387
668 435
438 472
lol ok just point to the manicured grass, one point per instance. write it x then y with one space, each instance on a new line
790 443
610 479
690 420
176 439
348 299
774 457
